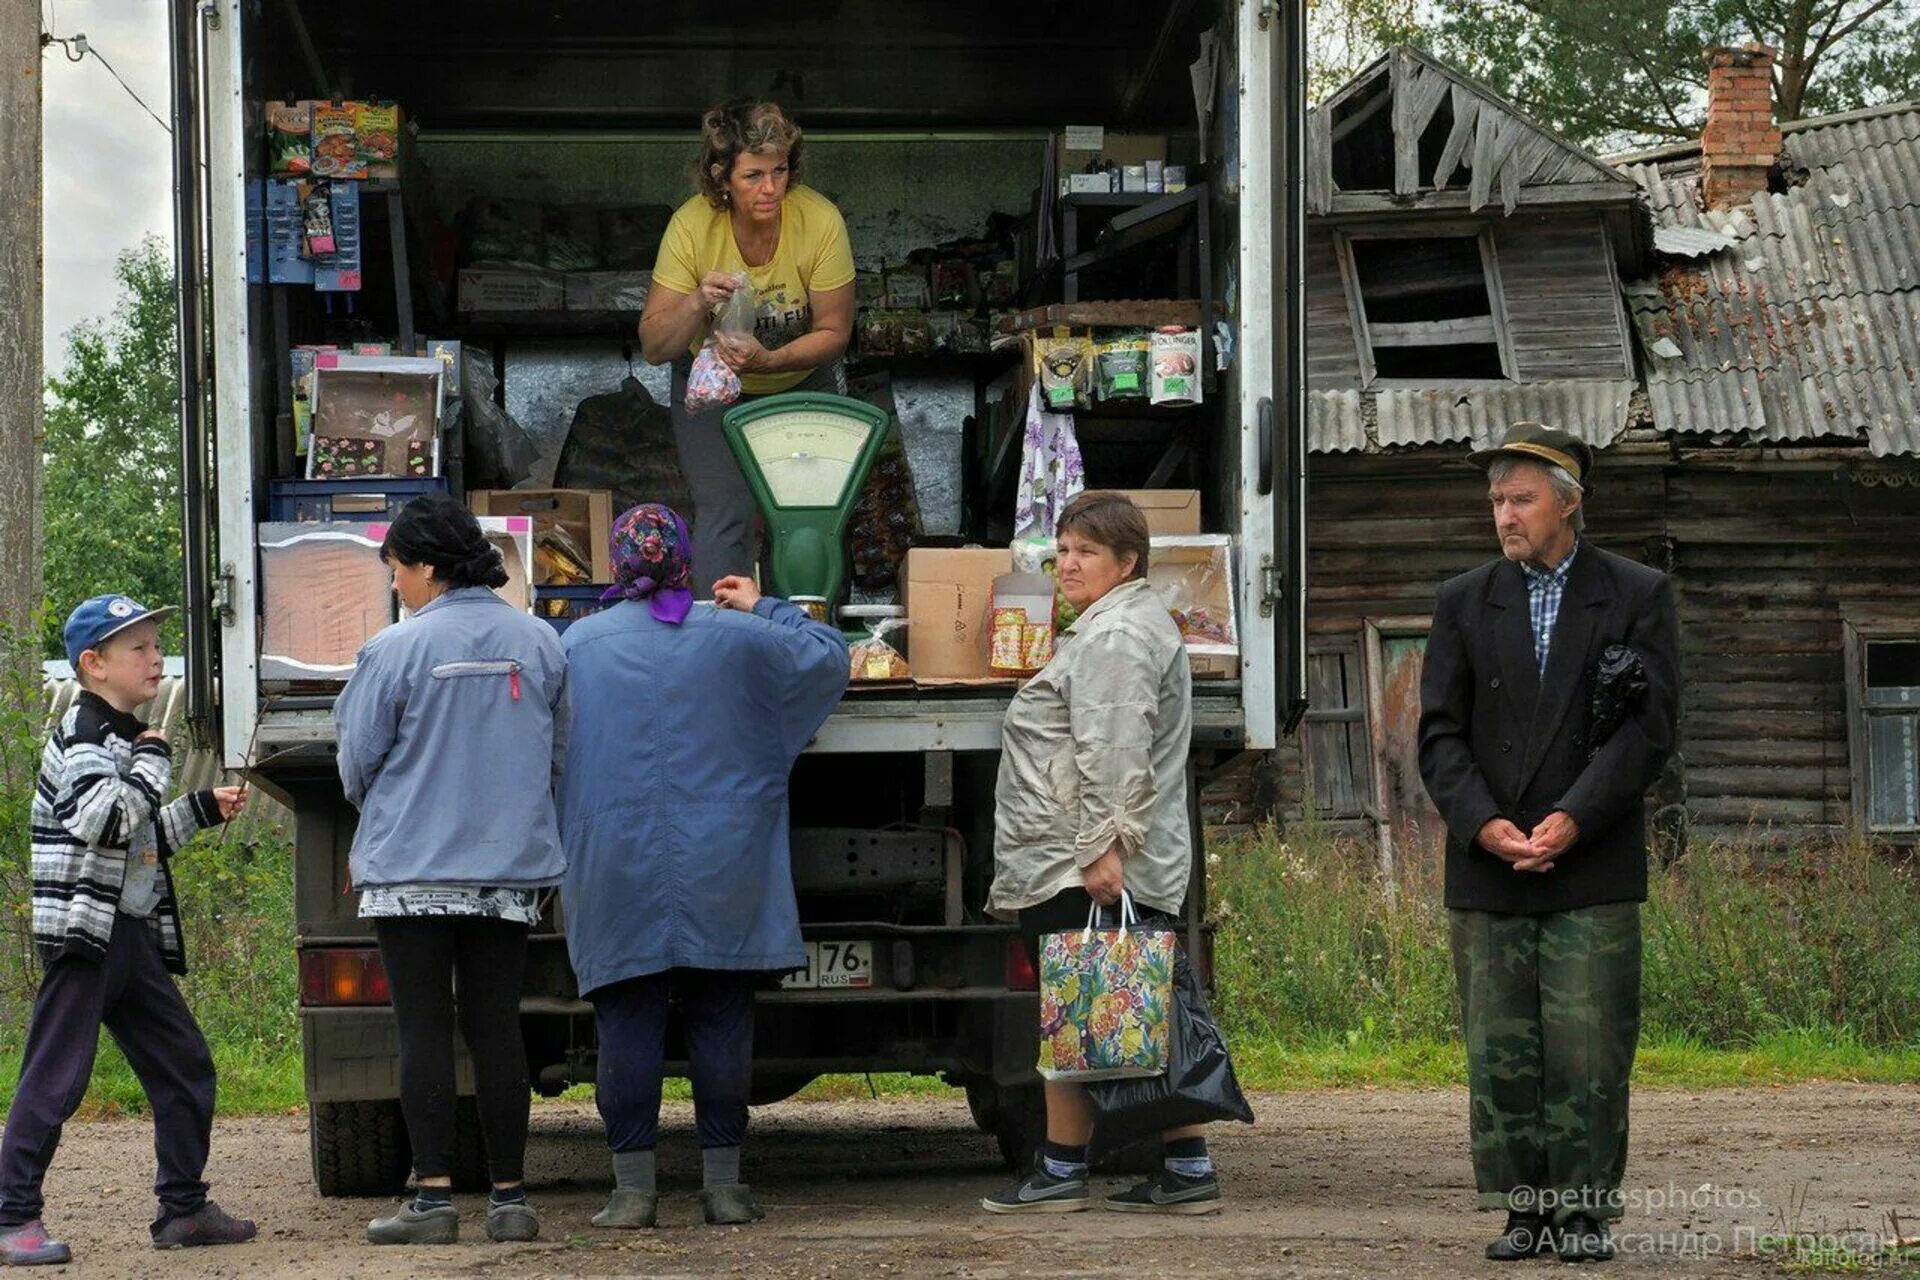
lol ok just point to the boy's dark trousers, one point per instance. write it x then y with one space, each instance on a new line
132 995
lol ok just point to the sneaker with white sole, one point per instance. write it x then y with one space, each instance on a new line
1169 1192
1041 1192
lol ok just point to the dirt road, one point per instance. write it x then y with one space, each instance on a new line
1351 1183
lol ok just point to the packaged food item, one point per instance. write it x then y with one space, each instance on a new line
1064 361
954 285
572 237
1176 371
879 332
377 137
711 382
336 146
943 331
916 333
1020 631
907 288
316 218
816 606
970 337
876 656
289 139
869 288
630 236
1002 287
1120 366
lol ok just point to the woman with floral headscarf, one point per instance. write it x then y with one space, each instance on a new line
673 811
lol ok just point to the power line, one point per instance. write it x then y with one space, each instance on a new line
76 47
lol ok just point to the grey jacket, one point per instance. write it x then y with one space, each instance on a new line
452 733
1094 753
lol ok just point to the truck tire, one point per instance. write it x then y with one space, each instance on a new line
358 1148
983 1101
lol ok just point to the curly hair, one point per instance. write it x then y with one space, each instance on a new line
742 126
438 530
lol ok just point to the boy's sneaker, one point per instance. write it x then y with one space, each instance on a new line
1169 1192
209 1224
1041 1192
29 1245
439 1224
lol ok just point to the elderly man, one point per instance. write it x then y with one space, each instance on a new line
1546 850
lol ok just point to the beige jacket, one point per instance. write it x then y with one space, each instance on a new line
1094 753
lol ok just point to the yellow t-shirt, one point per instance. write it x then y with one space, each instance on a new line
814 255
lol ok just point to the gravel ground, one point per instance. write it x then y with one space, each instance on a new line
1334 1183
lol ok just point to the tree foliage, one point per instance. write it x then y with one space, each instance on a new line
1632 71
111 494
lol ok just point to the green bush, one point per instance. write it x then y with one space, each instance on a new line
1741 948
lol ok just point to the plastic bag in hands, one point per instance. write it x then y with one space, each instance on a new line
736 314
711 383
1198 1086
1619 683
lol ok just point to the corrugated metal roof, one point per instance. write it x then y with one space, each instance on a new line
1337 420
1807 325
1690 242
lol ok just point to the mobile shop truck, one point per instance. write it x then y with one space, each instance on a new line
923 120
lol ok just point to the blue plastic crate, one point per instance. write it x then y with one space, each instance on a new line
564 606
366 500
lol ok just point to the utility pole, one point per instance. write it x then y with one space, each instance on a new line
22 371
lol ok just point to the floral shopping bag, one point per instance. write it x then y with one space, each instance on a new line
1105 997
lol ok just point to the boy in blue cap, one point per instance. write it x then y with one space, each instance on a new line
108 933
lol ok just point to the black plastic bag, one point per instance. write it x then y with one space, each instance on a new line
1198 1086
1619 683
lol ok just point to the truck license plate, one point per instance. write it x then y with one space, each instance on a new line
833 964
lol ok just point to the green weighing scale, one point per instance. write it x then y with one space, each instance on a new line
806 456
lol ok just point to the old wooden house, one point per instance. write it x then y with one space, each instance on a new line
1730 324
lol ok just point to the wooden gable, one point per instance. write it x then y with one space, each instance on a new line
1409 133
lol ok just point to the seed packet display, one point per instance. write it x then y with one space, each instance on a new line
336 145
290 139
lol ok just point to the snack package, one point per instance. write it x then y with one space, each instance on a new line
907 288
1020 624
289 139
377 138
1120 366
711 383
1175 355
876 657
1006 641
316 218
336 146
1064 365
916 333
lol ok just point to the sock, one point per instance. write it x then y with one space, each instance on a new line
1063 1161
634 1171
720 1167
1188 1157
425 1198
508 1195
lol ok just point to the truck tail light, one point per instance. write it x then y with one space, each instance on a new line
343 977
1020 974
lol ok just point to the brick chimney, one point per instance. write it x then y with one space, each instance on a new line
1741 143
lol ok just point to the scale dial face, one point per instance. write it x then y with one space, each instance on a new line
807 455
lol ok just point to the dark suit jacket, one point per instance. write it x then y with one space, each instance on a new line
1498 740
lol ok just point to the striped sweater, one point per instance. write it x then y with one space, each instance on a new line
102 796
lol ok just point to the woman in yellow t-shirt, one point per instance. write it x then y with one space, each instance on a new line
750 217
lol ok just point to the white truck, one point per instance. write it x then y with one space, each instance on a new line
921 116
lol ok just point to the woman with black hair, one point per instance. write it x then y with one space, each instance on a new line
464 700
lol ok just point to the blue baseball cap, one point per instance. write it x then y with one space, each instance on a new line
97 620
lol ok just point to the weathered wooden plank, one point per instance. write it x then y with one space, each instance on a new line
1319 160
1417 94
1434 333
1764 782
1792 725
1738 695
1528 152
1466 113
1746 811
1699 749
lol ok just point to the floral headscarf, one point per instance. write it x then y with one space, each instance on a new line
653 561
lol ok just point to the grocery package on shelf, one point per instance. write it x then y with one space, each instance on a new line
376 416
571 529
522 255
1020 628
324 592
1194 575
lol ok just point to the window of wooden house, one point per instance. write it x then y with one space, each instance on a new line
1883 700
1426 306
1337 745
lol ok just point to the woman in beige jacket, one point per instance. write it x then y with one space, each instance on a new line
1091 800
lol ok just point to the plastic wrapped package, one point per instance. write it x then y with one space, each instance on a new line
711 382
878 656
507 231
1194 575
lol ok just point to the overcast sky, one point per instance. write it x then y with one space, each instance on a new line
108 166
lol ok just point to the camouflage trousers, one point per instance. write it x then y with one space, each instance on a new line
1552 1014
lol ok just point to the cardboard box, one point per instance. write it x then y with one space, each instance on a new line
324 592
1169 512
949 592
607 290
1194 575
516 289
375 416
585 515
1076 146
513 535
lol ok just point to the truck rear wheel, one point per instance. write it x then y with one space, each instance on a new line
1019 1122
362 1149
358 1148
